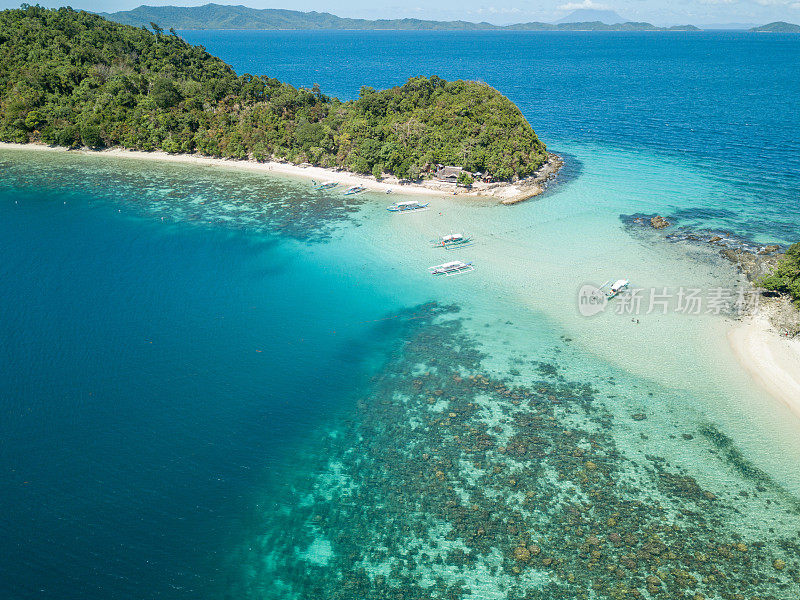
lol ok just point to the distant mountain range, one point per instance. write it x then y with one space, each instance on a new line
778 27
589 15
727 25
216 16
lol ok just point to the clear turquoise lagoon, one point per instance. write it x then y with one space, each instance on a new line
218 384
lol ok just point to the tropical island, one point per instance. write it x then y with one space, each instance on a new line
72 79
216 16
777 27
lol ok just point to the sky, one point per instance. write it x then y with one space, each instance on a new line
658 12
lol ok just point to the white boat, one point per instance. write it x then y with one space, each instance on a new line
325 185
452 241
451 268
356 189
616 288
407 206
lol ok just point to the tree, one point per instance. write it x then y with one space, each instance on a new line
90 136
464 179
164 93
69 77
785 278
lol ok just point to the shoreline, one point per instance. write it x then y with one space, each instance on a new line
765 342
505 192
772 360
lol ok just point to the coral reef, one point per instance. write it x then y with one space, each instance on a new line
451 483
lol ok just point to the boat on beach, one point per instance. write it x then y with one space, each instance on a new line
451 241
451 268
407 206
325 185
612 290
356 189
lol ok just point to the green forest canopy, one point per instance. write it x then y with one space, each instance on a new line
785 278
72 78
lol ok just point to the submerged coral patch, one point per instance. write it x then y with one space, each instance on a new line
456 484
176 192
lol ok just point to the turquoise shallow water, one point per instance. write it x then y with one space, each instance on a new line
218 384
723 102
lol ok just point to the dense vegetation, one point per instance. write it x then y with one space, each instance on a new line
216 16
72 78
785 279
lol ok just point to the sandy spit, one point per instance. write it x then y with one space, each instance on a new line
345 179
772 359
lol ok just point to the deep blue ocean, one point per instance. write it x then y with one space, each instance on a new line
153 372
725 99
159 364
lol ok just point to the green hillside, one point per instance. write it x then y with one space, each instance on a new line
778 27
73 78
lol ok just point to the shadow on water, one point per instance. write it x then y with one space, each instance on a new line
572 169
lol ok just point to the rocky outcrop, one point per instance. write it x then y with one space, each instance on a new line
752 260
753 266
659 222
781 313
504 191
530 187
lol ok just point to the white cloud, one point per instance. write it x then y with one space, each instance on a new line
584 4
494 10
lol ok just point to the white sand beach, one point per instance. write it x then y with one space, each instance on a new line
771 359
506 193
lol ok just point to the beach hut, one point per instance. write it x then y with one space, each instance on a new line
448 174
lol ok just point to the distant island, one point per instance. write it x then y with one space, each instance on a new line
216 16
778 27
590 15
72 78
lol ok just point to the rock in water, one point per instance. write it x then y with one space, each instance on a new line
659 222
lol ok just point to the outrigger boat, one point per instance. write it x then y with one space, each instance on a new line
356 189
325 185
451 268
619 286
452 241
407 206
